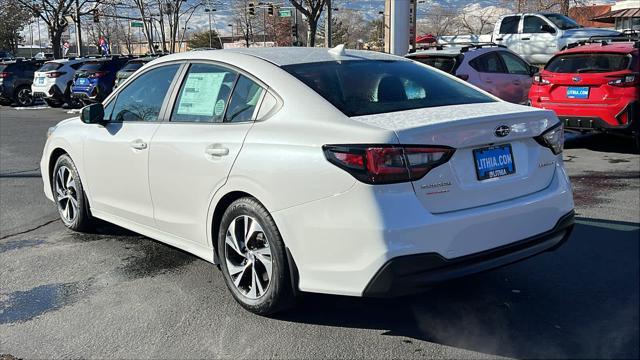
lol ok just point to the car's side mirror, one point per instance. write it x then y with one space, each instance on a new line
92 114
533 70
547 28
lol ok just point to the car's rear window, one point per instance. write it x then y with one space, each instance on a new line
444 63
132 66
588 63
364 87
50 66
93 66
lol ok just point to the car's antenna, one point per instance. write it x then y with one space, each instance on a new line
338 51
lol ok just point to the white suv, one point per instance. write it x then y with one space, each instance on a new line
53 80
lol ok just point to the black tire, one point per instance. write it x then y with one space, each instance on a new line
82 221
53 103
279 294
23 96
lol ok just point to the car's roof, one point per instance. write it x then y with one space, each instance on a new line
455 50
282 56
621 47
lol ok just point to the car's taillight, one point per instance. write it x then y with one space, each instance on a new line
627 80
553 138
386 164
55 74
98 74
4 74
539 80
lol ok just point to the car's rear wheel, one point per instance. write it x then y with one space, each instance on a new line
69 195
23 96
253 258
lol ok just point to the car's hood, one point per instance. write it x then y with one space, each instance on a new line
588 32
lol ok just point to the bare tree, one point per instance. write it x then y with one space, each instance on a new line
311 9
53 12
146 10
439 21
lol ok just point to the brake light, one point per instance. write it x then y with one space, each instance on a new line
55 74
385 164
98 74
4 74
553 138
627 80
539 80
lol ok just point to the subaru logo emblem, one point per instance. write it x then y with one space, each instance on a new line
576 79
502 131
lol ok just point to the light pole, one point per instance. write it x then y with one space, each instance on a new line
208 11
231 25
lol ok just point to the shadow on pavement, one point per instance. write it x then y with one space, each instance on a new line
600 142
579 301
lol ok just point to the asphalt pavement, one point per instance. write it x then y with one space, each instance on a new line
116 294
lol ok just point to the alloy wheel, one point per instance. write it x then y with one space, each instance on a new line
24 97
248 256
66 194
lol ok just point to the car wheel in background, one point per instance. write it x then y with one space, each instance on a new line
23 96
253 258
69 196
53 103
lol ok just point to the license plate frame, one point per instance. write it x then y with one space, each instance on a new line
578 92
493 165
40 81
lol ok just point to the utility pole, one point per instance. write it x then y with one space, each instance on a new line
78 30
327 26
264 26
295 23
210 36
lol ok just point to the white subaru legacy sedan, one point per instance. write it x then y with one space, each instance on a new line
315 170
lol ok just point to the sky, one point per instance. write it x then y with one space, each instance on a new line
224 13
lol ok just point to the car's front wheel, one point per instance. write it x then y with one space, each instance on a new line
69 195
253 258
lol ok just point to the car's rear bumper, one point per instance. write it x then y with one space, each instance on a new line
340 243
47 92
413 273
596 117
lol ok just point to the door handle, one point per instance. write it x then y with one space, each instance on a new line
526 38
217 150
138 144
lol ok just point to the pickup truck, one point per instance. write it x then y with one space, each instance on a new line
537 37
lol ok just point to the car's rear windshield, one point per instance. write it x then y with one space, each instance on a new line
93 66
132 66
50 66
588 63
444 63
364 87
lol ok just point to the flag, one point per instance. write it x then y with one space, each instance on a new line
104 46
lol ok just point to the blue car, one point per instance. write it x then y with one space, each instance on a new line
94 81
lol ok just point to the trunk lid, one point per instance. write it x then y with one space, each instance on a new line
455 185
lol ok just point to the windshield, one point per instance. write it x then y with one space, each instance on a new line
132 66
364 87
50 66
562 22
444 63
588 63
92 66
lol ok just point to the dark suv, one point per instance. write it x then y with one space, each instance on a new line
130 68
16 78
94 81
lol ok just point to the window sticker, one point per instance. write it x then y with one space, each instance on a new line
199 94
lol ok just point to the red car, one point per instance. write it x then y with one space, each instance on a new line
593 87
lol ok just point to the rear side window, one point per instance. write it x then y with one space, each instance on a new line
50 66
244 100
363 87
588 63
204 94
76 66
509 25
444 63
488 63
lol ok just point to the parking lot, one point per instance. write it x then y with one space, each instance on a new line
120 295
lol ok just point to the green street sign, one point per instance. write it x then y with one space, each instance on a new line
284 12
136 24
